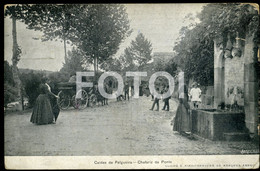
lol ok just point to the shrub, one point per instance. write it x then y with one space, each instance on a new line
10 93
31 82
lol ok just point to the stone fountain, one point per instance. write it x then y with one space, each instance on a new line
235 113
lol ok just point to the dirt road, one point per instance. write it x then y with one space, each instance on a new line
121 128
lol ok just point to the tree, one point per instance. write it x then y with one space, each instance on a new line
16 13
195 55
127 61
55 21
100 30
74 62
140 50
195 50
219 19
112 65
171 67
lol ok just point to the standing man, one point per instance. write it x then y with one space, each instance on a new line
166 100
195 94
132 90
156 101
126 90
152 95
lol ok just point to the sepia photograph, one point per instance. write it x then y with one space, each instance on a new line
131 86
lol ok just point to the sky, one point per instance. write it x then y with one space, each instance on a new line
160 23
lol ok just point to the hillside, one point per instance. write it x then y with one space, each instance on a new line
26 71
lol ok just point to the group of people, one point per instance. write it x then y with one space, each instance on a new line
128 91
181 122
46 110
157 98
100 99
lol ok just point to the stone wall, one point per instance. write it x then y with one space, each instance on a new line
251 84
207 97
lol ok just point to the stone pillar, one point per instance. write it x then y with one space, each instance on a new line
218 72
250 84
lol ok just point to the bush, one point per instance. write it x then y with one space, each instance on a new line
31 82
58 77
10 93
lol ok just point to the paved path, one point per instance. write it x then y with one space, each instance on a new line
121 128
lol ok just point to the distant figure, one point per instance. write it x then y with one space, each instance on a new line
73 78
156 101
152 95
107 90
42 111
100 98
181 121
132 90
195 94
120 96
166 100
141 90
126 89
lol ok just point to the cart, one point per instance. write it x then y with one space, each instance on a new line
67 96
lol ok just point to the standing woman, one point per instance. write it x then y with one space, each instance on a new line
42 111
182 117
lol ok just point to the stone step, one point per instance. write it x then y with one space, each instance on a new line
236 136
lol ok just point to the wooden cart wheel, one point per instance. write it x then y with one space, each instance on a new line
63 101
73 101
92 100
81 103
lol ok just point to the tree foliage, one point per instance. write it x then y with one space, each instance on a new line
127 60
137 55
8 75
10 91
100 30
74 62
140 50
55 21
112 64
219 18
31 82
96 29
196 56
195 50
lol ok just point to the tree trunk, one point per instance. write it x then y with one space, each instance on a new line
65 49
15 60
95 65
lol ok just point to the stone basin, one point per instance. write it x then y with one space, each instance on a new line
214 124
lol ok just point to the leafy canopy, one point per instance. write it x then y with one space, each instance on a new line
195 50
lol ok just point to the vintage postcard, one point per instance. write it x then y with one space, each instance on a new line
131 86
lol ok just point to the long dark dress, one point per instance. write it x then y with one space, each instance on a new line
182 117
42 111
55 107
